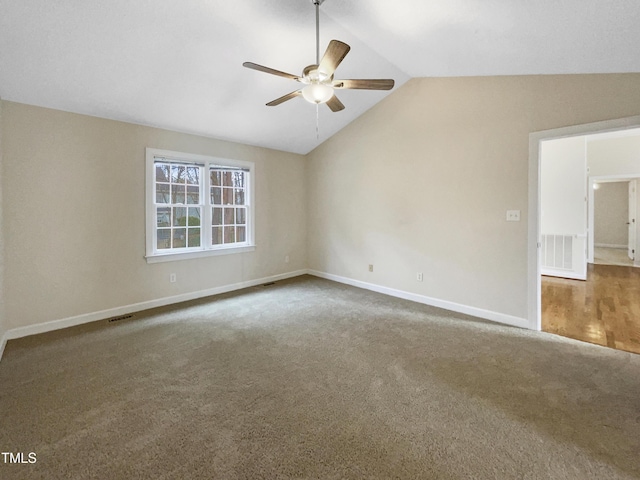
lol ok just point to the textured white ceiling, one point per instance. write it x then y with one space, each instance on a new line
178 64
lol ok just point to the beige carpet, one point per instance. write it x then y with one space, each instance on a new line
312 379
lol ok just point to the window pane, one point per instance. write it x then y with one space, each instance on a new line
164 238
229 234
194 217
193 194
162 173
193 175
241 217
180 193
216 235
238 179
216 196
179 216
239 196
216 216
227 196
241 233
229 216
177 193
162 193
178 174
194 237
179 237
163 215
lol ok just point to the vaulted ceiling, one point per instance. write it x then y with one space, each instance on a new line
178 64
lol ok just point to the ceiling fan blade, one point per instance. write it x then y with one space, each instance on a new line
260 68
336 51
334 104
284 98
372 84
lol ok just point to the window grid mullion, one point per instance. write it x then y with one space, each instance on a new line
206 209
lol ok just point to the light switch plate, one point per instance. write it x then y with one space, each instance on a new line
513 215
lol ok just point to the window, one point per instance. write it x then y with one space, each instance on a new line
197 206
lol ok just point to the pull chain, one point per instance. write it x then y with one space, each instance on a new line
317 121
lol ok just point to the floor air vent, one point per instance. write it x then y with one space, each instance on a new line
117 319
268 284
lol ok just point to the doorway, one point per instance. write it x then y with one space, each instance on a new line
566 294
613 211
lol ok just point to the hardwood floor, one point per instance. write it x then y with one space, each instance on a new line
604 310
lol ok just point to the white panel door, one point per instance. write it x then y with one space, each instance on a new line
563 208
632 218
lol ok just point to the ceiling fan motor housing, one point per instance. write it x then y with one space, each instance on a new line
312 74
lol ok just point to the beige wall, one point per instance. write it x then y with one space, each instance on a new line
74 196
422 182
611 214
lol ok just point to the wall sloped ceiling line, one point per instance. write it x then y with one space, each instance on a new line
189 77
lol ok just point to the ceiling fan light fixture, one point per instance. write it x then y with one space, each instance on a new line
317 93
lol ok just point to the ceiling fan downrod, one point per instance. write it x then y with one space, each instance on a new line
317 3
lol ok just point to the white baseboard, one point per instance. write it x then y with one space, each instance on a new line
550 272
160 302
434 302
611 245
137 307
3 343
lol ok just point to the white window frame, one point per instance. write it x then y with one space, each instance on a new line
153 255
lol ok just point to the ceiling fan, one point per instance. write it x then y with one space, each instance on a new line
318 81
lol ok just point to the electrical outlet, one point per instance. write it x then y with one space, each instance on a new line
286 259
172 278
371 268
513 215
419 276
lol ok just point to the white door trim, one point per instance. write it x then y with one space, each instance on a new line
533 248
632 229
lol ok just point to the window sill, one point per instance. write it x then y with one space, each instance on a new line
170 257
